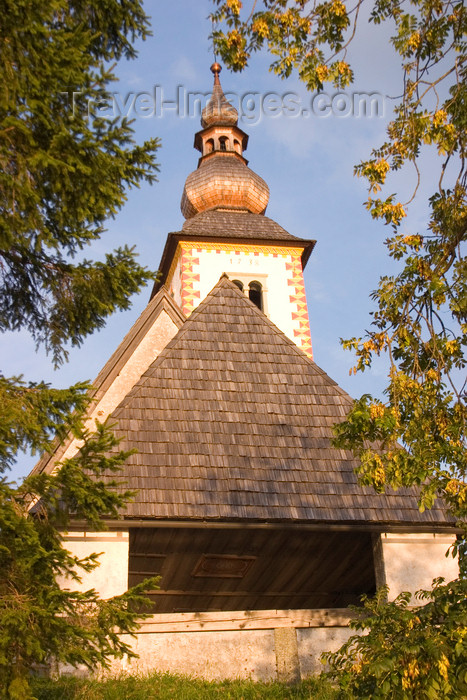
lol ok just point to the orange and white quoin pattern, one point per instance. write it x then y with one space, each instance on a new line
197 267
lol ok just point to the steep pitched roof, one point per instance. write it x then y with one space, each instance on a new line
233 421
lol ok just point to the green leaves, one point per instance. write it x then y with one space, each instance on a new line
40 620
64 170
420 324
417 436
406 652
292 32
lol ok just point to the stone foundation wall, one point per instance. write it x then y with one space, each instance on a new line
261 645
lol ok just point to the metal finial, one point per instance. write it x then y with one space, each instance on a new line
216 69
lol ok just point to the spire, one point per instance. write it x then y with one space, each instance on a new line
222 180
218 111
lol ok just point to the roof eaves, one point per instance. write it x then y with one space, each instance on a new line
175 237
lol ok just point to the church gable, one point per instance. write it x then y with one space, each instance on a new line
233 421
157 324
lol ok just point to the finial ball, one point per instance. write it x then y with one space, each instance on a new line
216 68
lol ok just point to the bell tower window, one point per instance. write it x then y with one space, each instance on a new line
251 286
255 294
223 143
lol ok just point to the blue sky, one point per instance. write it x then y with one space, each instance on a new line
307 162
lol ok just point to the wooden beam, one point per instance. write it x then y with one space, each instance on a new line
429 528
249 594
244 620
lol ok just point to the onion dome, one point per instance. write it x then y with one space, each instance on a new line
223 179
224 182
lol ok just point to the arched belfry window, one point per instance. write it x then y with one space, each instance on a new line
255 294
209 145
239 284
223 143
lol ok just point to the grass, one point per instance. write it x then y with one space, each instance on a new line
170 687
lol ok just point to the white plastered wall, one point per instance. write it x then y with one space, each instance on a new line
110 578
412 561
267 268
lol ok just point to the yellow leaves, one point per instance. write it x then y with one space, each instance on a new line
415 620
234 6
409 674
414 41
443 665
376 411
451 346
412 669
338 9
414 241
322 72
261 28
368 345
234 39
447 140
440 117
442 425
377 175
305 25
423 269
375 171
289 20
393 213
381 167
457 489
452 487
398 212
399 148
379 473
343 68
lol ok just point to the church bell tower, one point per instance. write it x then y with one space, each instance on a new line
226 231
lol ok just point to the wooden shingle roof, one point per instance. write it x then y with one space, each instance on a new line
233 421
237 224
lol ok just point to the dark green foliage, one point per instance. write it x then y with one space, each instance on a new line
31 414
39 620
63 172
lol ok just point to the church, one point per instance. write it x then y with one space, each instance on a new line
253 519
